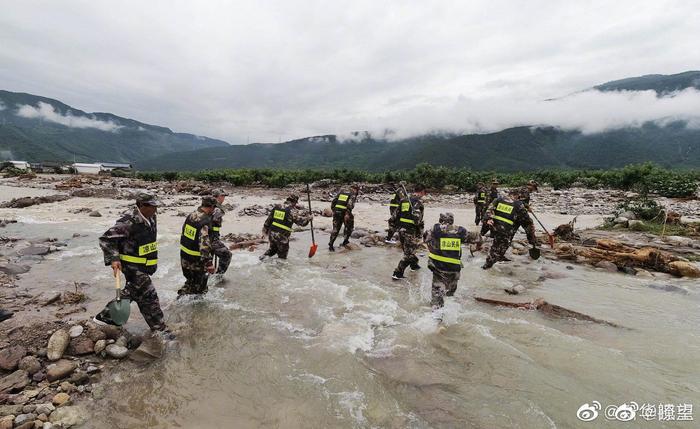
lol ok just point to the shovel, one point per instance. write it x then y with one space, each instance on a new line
314 246
534 253
119 309
550 237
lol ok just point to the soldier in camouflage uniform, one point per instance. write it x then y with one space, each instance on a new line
342 206
505 215
396 198
278 226
130 246
409 217
491 195
196 254
444 242
525 192
479 202
218 247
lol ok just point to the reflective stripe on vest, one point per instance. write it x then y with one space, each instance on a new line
216 228
393 198
482 197
190 252
137 260
445 259
284 227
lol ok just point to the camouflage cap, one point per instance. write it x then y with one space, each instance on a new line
147 199
533 183
495 181
447 218
208 201
219 192
293 198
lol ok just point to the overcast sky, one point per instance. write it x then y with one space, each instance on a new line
271 70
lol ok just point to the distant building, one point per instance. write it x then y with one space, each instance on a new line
20 165
82 168
97 168
109 166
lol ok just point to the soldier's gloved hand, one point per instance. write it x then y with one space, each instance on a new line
210 268
490 222
116 267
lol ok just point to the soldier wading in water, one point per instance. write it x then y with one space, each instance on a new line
131 247
342 206
409 219
196 255
278 226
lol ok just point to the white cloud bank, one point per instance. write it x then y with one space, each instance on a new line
47 112
589 112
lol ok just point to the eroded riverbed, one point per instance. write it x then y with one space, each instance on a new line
334 342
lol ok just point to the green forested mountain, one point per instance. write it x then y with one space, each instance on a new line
34 128
662 84
522 148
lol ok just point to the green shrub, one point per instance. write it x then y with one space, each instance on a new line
643 178
644 209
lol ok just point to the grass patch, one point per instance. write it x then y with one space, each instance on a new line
654 228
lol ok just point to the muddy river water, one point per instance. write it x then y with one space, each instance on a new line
334 342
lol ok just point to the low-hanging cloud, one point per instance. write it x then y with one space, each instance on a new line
277 70
47 112
588 111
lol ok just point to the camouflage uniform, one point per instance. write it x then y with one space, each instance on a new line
503 232
491 195
445 275
218 247
342 217
525 192
279 237
393 208
479 203
121 240
409 235
194 266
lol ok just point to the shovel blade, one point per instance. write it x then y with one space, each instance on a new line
534 253
119 311
312 250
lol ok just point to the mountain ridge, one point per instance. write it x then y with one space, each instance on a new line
36 128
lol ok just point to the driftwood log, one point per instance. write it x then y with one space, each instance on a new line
246 244
549 309
649 258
